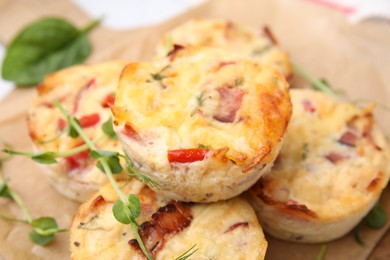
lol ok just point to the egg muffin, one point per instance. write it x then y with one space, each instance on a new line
87 92
332 167
203 123
221 230
261 45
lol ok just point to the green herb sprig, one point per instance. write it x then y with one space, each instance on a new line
315 82
126 209
187 253
43 228
322 253
43 47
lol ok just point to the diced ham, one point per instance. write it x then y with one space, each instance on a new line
230 103
308 106
348 138
335 158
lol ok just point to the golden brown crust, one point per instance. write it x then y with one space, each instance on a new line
87 92
168 229
230 105
329 173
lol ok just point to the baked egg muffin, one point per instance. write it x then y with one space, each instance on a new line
87 92
332 167
220 230
202 123
260 45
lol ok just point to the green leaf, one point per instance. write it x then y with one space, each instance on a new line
122 213
44 223
356 235
5 191
72 132
43 47
134 205
377 217
96 154
108 129
40 239
114 164
44 158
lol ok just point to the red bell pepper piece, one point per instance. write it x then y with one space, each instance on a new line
187 155
89 120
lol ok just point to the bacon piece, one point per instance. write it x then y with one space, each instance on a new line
96 203
335 158
308 106
171 54
230 103
234 226
268 33
170 219
79 160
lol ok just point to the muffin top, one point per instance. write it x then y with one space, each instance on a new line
222 230
87 92
260 45
334 160
206 101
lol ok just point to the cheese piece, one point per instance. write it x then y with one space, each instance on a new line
203 123
332 167
222 230
260 45
87 92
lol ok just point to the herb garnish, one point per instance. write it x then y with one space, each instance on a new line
305 151
45 46
322 253
315 82
43 228
187 253
376 218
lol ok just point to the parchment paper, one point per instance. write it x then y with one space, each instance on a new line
355 59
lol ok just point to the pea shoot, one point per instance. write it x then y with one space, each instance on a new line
43 229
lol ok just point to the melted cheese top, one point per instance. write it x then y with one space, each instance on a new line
222 230
227 35
334 161
205 96
82 90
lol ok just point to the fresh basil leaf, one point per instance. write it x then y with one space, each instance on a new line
72 131
122 213
44 158
108 129
5 191
134 205
377 217
113 163
44 223
40 239
43 47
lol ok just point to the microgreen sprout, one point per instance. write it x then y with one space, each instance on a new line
315 82
322 253
126 209
187 253
43 228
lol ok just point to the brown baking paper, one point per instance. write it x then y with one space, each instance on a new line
355 59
